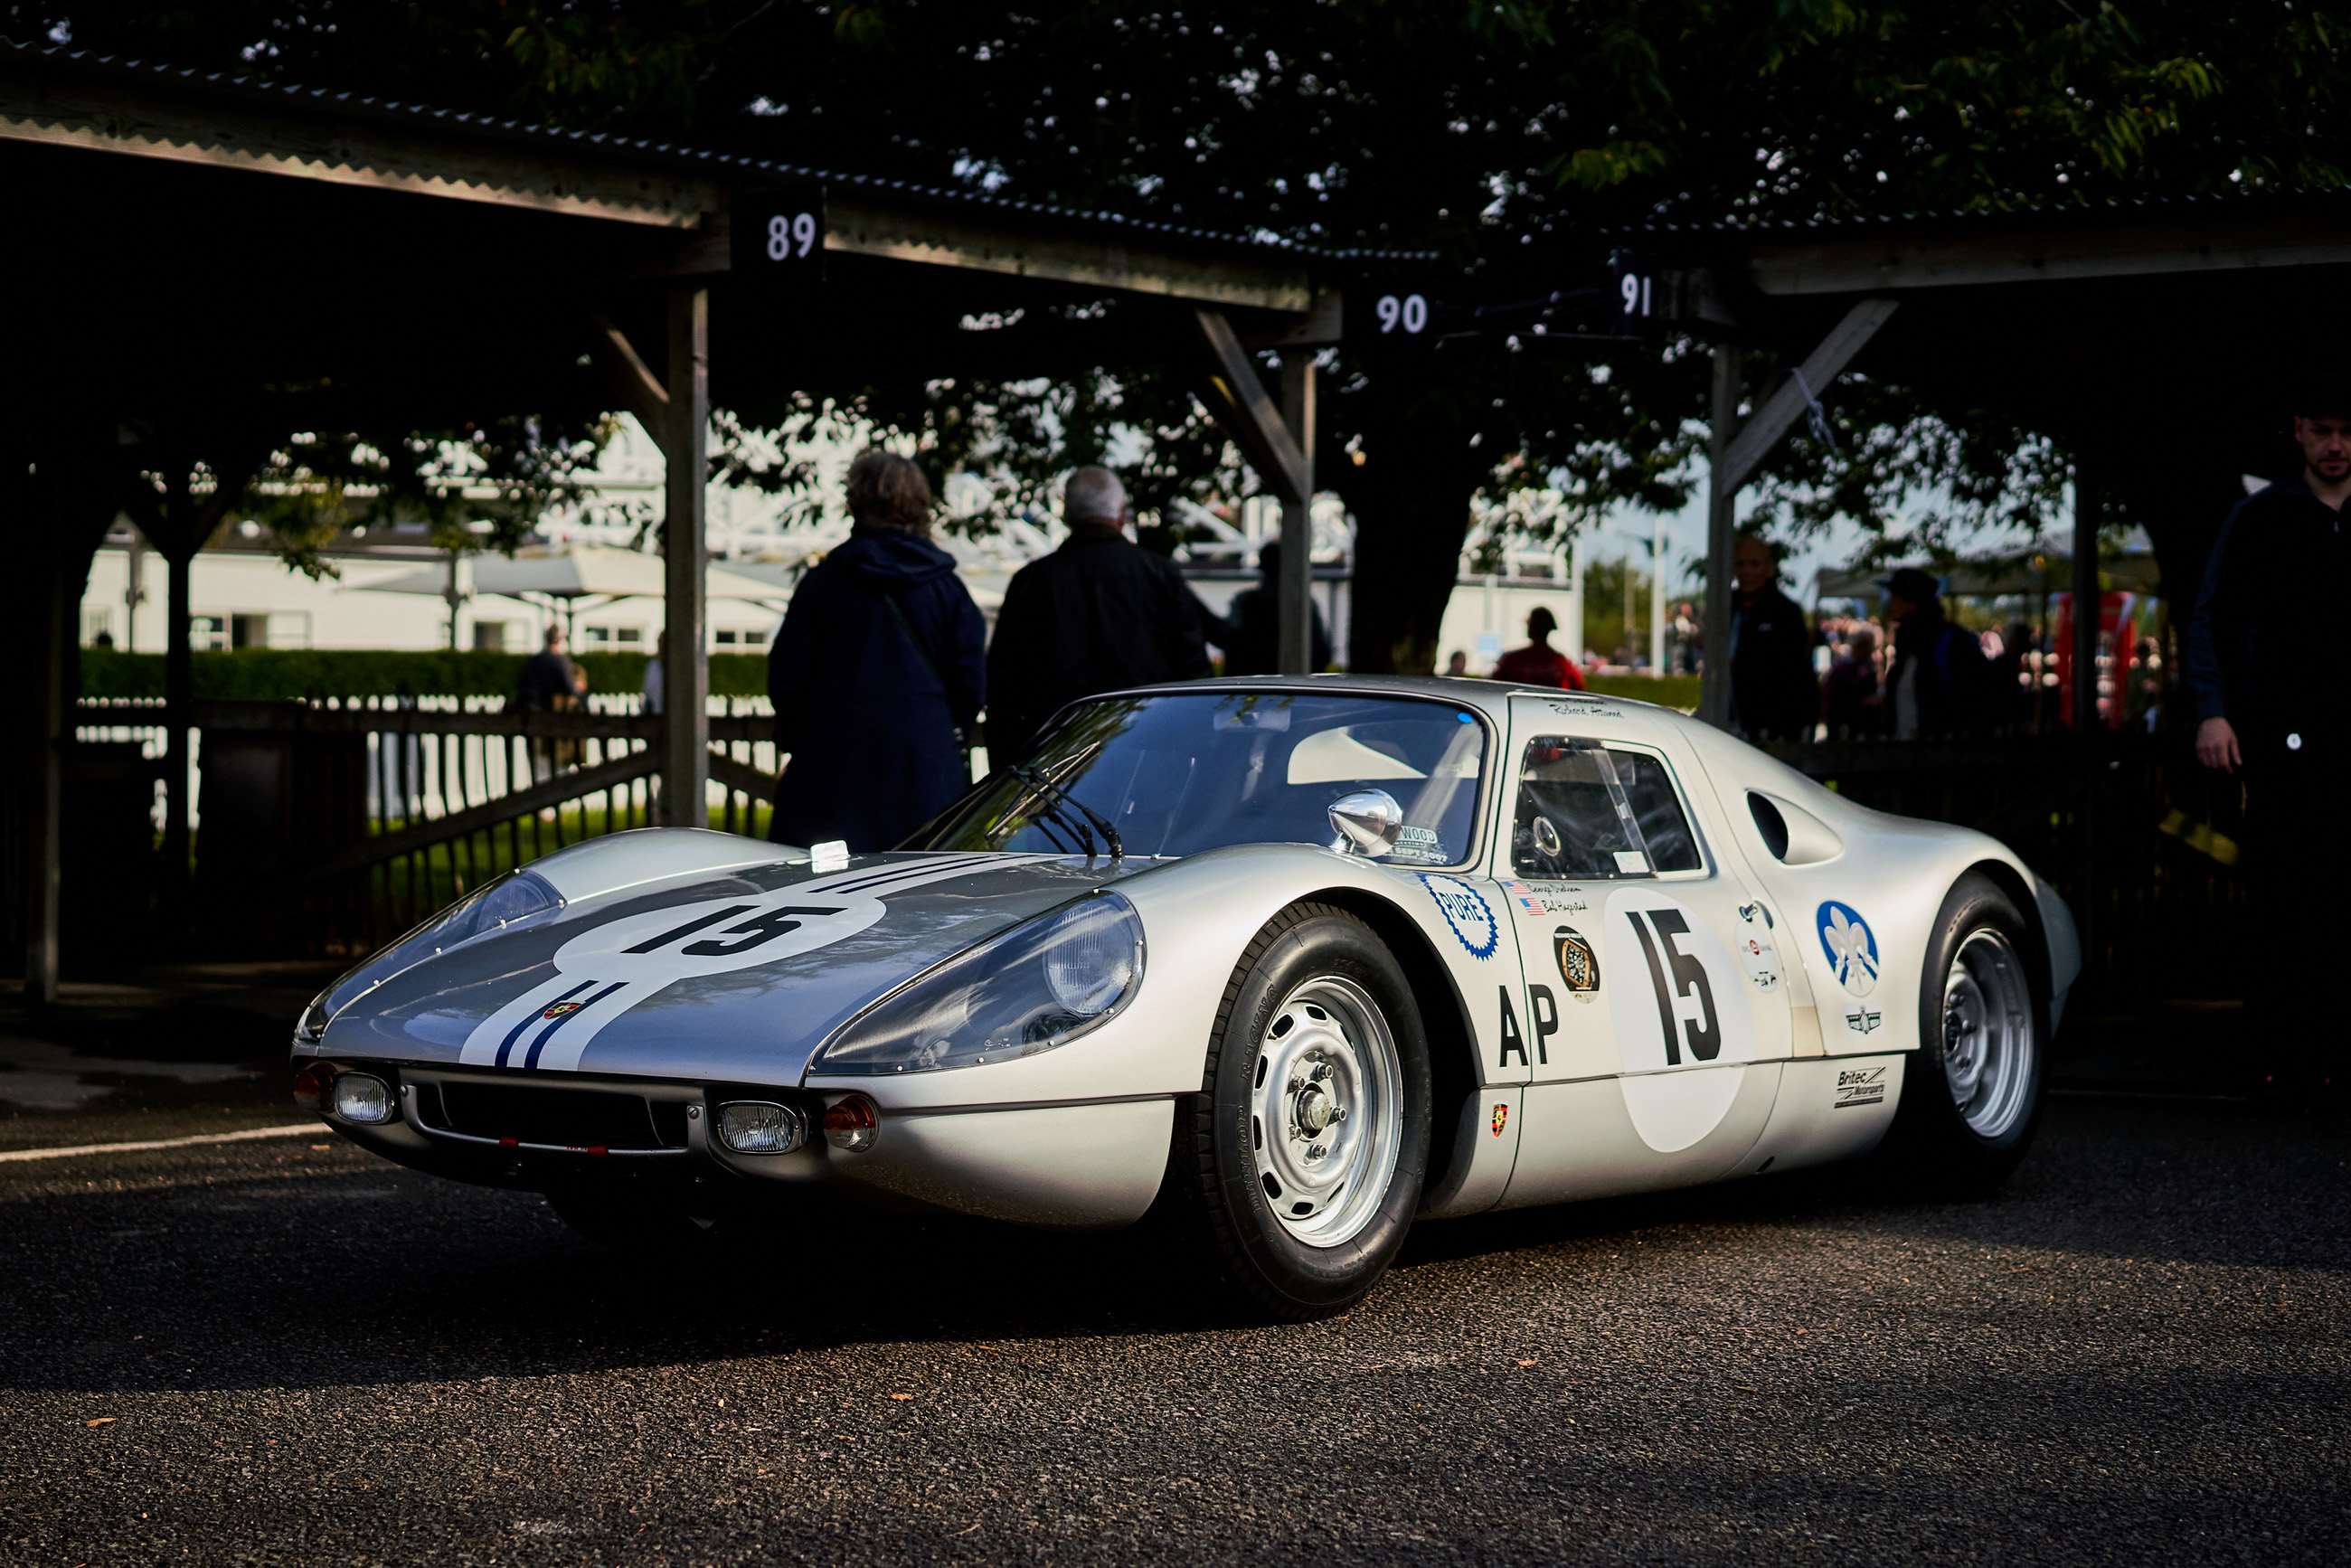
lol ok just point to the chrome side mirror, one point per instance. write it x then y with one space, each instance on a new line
1366 822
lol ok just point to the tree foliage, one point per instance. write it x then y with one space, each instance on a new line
1508 133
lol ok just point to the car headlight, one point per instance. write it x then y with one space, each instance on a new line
1040 984
517 898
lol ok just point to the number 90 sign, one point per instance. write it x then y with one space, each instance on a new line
1405 313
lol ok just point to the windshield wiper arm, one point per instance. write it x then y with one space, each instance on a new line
1037 778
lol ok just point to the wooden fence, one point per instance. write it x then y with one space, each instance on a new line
330 827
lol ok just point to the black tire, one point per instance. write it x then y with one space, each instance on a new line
622 1218
1931 1143
1214 1185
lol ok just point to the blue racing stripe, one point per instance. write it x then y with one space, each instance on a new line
540 1043
530 1017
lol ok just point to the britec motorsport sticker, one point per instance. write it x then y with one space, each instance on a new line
1852 950
1466 910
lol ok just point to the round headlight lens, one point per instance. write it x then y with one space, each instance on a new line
1089 959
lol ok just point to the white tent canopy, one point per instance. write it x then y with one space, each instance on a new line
582 571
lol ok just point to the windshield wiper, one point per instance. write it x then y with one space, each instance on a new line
1060 796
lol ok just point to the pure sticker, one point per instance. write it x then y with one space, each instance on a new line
1466 912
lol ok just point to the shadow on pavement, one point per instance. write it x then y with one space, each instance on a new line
309 1267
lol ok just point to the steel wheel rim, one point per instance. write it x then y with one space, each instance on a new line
1988 1042
1326 1112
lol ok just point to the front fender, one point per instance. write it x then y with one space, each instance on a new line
1198 915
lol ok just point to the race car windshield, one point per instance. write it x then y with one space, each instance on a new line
1179 773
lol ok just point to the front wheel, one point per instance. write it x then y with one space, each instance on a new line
1971 1096
1300 1162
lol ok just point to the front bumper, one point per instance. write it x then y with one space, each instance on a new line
1083 1164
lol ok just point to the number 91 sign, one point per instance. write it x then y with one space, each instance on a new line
779 231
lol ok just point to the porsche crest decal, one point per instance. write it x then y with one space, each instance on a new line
559 1008
1502 1119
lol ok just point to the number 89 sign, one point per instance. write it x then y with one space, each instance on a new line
779 233
686 940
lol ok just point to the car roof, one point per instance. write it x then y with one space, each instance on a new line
1492 697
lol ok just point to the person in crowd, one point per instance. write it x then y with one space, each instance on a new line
2262 677
1850 698
1773 692
1098 613
1940 684
2013 676
1686 638
1539 663
653 686
549 679
1458 664
1255 647
878 663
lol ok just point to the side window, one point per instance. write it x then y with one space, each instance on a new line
1591 812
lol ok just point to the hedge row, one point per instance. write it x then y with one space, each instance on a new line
1668 691
276 675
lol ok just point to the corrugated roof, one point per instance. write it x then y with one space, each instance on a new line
2103 210
674 155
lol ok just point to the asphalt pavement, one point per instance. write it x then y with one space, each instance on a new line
281 1349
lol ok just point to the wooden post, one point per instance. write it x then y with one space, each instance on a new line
2085 600
685 676
179 702
1721 528
1297 586
45 792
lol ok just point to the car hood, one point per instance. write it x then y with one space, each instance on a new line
737 976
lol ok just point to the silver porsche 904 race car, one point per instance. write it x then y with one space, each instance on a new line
1287 963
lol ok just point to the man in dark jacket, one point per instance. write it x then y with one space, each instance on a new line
1097 615
1773 695
877 665
1255 647
2264 668
1941 683
550 680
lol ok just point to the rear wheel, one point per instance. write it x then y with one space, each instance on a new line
1301 1161
1971 1096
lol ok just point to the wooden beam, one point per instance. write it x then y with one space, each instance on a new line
1974 256
1784 407
632 380
1247 411
685 434
380 153
856 226
1320 327
389 151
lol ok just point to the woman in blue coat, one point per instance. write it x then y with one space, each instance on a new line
880 661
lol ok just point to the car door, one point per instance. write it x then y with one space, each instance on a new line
1655 1019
